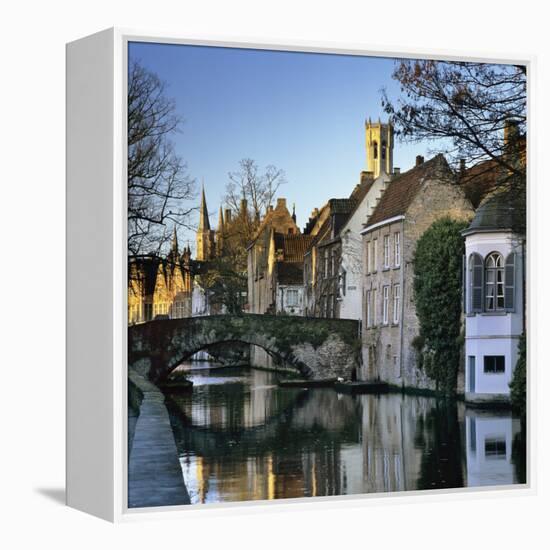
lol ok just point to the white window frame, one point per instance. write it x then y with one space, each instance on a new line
374 304
494 283
369 307
396 302
374 256
386 251
397 248
292 292
369 256
385 304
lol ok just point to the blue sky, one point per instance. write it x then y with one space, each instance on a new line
301 112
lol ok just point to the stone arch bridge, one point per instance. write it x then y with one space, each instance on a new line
317 348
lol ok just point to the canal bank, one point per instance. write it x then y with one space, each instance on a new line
154 472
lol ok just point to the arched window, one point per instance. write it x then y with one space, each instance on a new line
475 277
494 282
374 150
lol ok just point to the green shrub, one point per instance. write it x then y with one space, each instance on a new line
518 385
438 298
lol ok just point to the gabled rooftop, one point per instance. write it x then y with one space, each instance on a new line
402 190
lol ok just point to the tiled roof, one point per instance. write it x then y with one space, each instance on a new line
295 246
401 191
478 181
341 206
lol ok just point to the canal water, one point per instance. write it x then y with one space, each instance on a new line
241 437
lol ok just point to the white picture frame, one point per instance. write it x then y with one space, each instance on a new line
96 371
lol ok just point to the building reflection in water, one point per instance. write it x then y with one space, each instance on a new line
241 437
489 442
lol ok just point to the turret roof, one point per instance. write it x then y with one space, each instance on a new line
501 210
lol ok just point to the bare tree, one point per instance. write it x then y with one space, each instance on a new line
158 183
257 188
462 108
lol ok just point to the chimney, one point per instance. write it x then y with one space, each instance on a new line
462 166
396 171
244 205
227 215
419 160
281 203
365 176
511 135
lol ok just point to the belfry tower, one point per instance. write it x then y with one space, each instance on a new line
205 236
379 141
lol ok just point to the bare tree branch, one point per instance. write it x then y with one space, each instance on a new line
158 183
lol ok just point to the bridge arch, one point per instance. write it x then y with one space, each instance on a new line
317 348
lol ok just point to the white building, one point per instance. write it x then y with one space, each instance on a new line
351 265
379 149
494 295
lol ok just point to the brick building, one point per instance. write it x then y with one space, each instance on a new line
409 205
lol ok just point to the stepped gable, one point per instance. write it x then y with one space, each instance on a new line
402 190
359 193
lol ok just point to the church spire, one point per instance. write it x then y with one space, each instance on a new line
174 247
205 236
204 222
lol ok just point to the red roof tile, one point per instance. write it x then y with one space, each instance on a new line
401 191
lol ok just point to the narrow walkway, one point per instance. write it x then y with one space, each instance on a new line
154 472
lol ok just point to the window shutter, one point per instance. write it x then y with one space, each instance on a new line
464 283
477 284
510 282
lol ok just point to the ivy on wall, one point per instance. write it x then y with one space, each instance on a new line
518 385
438 296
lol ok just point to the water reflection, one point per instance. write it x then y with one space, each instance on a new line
241 437
489 443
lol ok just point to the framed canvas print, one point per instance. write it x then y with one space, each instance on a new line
295 274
